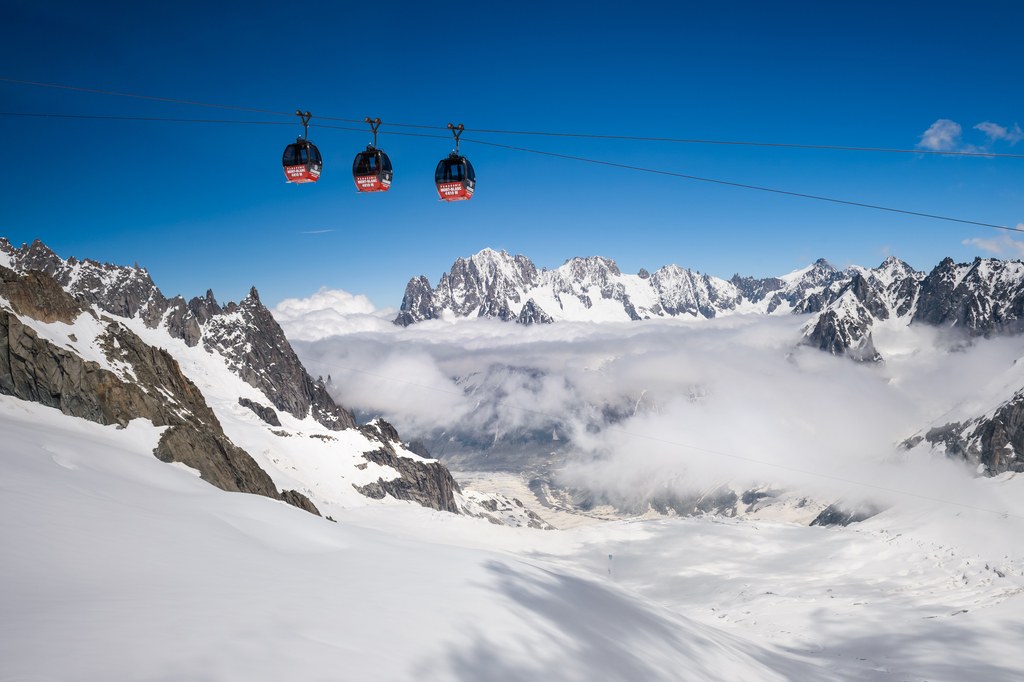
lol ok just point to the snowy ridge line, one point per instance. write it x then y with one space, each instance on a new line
744 458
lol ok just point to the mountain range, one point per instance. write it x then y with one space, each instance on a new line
842 306
842 309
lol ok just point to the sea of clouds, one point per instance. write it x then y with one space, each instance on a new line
684 403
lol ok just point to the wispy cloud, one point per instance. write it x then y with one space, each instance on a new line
999 245
946 135
941 136
316 231
994 131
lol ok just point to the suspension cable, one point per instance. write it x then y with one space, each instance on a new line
590 136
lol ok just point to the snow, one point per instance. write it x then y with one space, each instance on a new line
119 567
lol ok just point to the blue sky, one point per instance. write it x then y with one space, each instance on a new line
205 205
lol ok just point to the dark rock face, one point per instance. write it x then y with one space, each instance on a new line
839 515
37 296
265 413
246 334
417 304
983 297
993 443
254 345
34 369
297 499
426 483
846 329
533 314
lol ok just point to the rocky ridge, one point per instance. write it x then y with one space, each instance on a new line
126 378
141 382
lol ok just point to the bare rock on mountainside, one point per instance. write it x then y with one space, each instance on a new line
993 443
142 381
427 483
151 387
245 333
983 298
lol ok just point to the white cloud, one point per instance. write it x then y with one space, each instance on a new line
669 402
329 312
941 136
999 245
995 132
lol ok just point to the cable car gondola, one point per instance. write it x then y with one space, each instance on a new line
301 161
455 177
371 169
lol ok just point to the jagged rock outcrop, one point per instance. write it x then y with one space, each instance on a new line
841 514
982 298
245 333
427 483
533 314
141 381
417 303
267 414
992 443
150 386
255 347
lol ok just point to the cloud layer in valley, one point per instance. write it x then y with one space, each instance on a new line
667 402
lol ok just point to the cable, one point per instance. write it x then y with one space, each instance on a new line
148 118
600 162
665 441
59 86
759 188
787 145
590 136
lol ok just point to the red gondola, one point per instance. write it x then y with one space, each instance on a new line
371 169
301 161
455 177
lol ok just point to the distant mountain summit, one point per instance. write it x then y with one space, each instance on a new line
982 298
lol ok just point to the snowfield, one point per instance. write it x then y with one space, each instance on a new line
120 567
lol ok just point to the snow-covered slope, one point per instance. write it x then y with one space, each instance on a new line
119 567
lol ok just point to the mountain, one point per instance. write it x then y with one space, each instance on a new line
982 298
499 285
101 342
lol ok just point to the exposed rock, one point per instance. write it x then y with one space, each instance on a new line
245 333
991 444
838 514
255 347
37 296
417 303
983 297
426 483
533 314
297 499
153 388
267 414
